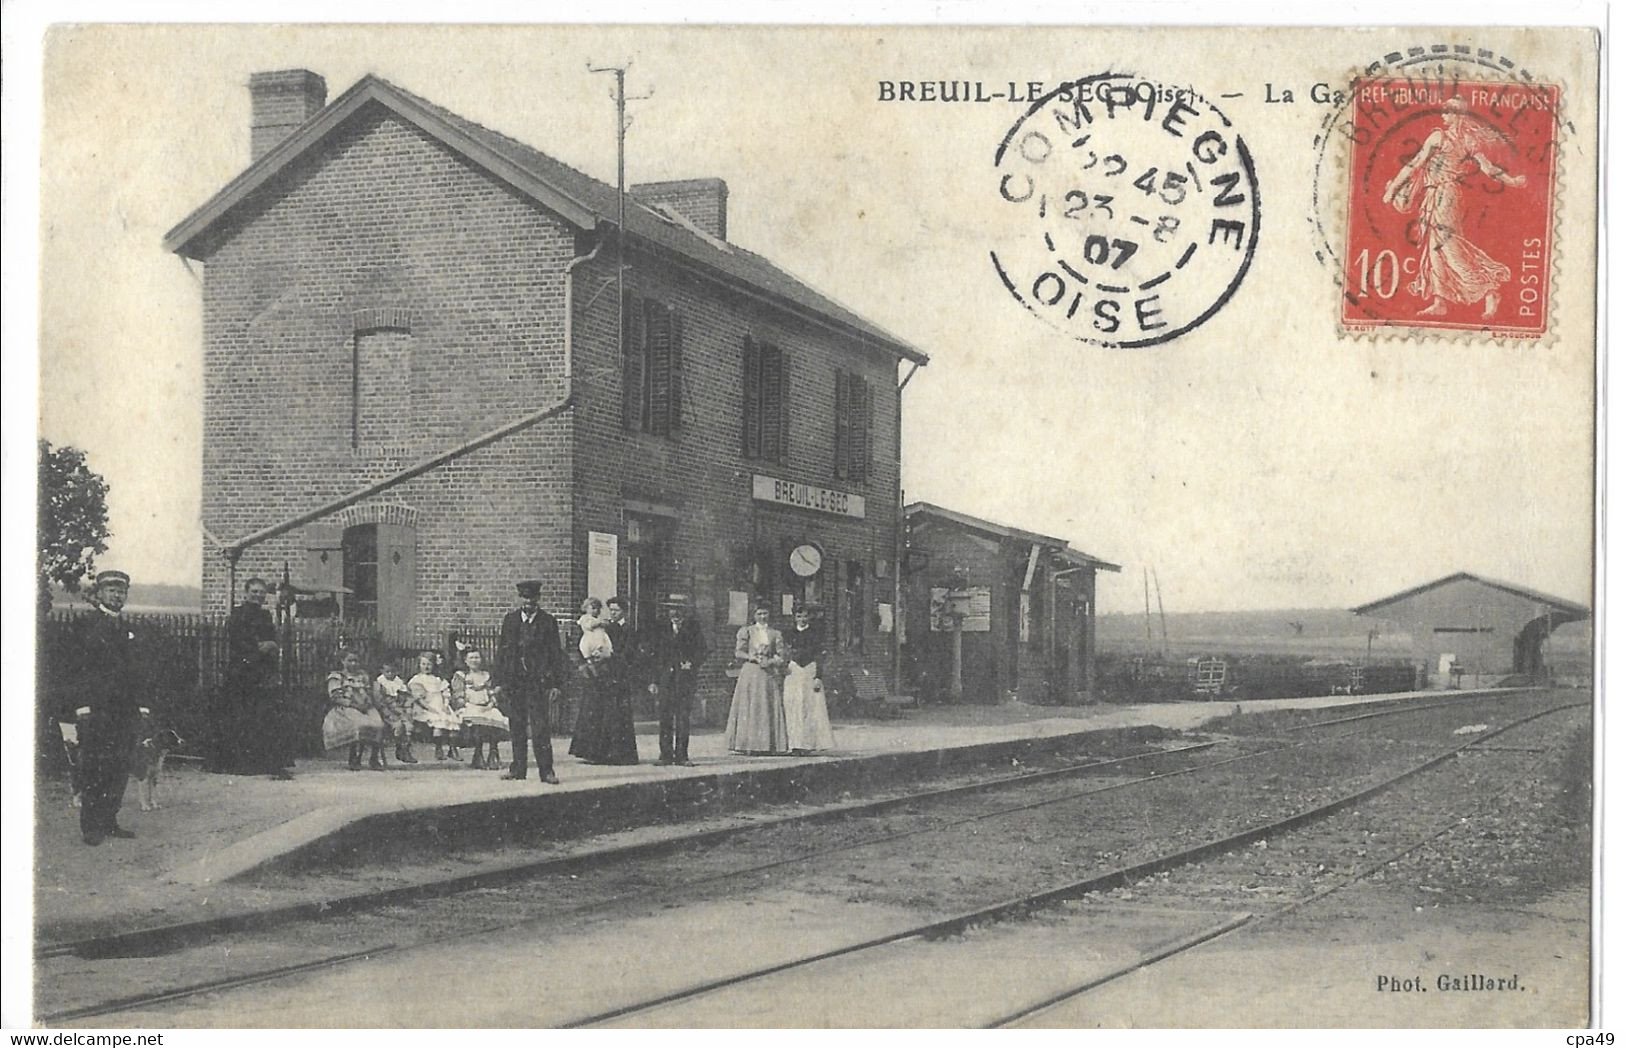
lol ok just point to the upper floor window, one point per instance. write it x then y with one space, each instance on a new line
380 387
854 409
652 367
767 402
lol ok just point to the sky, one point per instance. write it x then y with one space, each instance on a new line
1262 460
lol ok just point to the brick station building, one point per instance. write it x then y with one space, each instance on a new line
414 387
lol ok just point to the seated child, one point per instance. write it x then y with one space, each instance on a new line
393 699
475 694
351 719
431 699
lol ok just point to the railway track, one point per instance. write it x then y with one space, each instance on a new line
1247 921
1026 904
602 858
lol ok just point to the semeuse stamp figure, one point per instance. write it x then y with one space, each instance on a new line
1449 266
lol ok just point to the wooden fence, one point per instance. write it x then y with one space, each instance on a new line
1141 678
182 662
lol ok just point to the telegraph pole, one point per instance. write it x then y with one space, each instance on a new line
620 193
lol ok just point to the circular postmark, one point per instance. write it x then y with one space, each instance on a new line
1135 210
1433 196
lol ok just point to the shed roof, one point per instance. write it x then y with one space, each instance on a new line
579 199
1006 531
1567 607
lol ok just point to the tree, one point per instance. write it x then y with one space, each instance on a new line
72 519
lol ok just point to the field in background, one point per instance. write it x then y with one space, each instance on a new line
152 598
1326 633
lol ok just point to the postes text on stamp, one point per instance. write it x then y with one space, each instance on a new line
1450 206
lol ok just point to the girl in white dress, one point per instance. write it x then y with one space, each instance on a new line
474 693
431 696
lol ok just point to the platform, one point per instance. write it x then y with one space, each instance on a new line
212 834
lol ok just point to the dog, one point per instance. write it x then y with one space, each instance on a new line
70 747
147 765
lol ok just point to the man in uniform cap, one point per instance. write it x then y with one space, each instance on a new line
676 651
530 668
107 704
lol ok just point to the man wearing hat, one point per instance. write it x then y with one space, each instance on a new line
108 703
530 668
677 649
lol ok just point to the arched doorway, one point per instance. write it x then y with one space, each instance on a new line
1529 647
379 566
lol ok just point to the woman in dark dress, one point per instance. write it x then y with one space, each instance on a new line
806 715
604 731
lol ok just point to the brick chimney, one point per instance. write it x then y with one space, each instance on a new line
702 201
282 100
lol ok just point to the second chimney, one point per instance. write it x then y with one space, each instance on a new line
282 101
702 201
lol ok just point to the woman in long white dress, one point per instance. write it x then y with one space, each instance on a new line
806 716
756 719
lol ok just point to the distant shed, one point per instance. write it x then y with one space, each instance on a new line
1478 625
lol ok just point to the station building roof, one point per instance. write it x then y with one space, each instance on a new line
1567 608
1005 531
578 198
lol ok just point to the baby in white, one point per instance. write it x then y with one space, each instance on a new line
595 645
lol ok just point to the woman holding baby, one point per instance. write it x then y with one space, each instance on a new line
604 733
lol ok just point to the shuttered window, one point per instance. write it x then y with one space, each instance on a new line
766 403
651 367
854 409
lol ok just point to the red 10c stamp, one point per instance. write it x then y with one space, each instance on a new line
1450 206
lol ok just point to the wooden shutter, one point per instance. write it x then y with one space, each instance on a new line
657 325
865 425
853 406
676 382
841 426
772 403
397 582
783 363
324 557
632 365
751 442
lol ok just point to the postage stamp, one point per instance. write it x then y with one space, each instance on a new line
1450 205
1138 210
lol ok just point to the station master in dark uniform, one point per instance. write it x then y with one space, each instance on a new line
530 668
108 694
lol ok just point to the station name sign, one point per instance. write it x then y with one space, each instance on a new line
805 496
